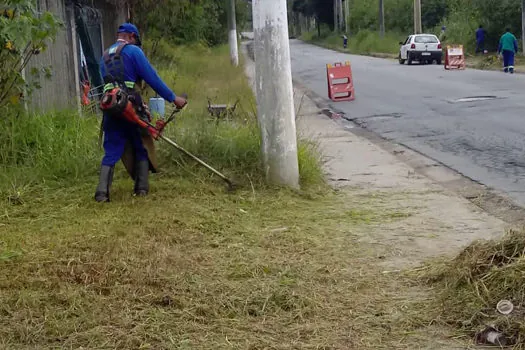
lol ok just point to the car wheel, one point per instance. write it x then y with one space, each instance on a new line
409 59
401 61
438 62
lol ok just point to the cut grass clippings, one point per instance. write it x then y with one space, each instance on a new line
469 288
192 267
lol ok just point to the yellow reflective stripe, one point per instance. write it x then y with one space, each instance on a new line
129 84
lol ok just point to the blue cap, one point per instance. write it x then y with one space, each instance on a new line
131 29
128 28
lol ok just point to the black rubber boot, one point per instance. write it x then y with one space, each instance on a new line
141 178
104 184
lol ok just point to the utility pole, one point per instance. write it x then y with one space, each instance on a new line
341 15
232 32
417 17
336 13
523 25
382 18
273 81
347 16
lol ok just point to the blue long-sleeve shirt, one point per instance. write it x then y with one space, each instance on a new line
136 67
480 35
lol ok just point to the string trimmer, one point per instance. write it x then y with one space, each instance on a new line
156 133
117 102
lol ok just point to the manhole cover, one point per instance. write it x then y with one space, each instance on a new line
474 99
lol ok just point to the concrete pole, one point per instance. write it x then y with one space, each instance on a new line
381 18
341 15
74 44
417 17
336 12
273 81
347 16
232 32
523 25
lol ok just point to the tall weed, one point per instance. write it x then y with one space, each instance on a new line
48 146
62 147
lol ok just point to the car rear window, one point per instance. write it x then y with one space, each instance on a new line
425 39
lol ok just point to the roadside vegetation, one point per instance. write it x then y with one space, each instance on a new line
364 42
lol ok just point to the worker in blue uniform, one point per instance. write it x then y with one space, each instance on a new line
508 47
480 39
125 64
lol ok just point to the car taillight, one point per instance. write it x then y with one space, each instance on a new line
439 46
413 46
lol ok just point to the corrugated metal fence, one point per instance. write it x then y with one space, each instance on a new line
63 89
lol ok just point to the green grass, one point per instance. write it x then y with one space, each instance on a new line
363 43
61 148
50 147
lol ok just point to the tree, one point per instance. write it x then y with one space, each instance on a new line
23 33
495 16
184 21
433 12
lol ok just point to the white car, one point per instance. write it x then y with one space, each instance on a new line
424 48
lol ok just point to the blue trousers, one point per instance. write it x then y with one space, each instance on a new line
508 61
480 46
116 134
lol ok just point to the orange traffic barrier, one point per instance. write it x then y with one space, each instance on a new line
455 57
340 82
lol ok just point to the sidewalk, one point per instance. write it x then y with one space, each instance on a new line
438 222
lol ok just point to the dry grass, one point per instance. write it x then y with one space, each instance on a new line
193 267
492 62
469 287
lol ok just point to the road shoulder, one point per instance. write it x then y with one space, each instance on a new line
435 208
360 162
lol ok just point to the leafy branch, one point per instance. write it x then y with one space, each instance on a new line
24 33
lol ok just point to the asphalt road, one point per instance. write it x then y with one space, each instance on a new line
417 106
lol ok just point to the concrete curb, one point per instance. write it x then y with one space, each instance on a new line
488 199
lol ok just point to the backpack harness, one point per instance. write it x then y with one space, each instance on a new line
117 91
